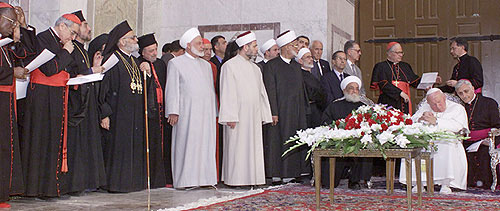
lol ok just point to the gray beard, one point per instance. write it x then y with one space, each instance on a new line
308 66
131 48
197 53
352 98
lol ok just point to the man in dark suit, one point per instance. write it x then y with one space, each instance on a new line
320 66
331 79
219 45
175 51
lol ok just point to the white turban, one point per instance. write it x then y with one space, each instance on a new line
267 45
348 80
285 38
302 52
245 38
189 36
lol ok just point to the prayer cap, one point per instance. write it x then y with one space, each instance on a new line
245 38
5 5
146 40
267 45
114 35
285 38
348 80
73 18
79 14
188 36
389 46
302 52
432 91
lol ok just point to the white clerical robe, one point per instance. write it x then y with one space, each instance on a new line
243 99
190 94
450 161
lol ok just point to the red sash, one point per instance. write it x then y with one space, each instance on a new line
58 80
159 99
11 89
405 87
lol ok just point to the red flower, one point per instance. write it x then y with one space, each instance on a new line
360 117
337 123
371 122
349 116
368 116
408 122
384 127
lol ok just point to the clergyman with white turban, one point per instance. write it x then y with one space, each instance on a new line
191 109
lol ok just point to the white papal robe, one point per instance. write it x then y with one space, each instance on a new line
450 161
190 94
244 101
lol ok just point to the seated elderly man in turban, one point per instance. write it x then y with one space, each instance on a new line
450 163
483 115
361 168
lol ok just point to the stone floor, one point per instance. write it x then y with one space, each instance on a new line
160 198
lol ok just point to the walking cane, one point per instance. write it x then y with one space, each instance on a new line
147 136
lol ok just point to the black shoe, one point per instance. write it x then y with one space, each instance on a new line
46 199
354 186
64 197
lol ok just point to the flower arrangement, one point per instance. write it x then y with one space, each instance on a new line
370 127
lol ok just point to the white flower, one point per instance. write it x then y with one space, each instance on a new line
366 139
376 127
385 137
402 141
394 119
411 130
363 109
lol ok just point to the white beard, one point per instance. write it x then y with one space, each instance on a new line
308 66
354 98
197 53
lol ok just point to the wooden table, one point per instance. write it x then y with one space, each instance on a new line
391 154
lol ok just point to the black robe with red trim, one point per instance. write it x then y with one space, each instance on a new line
11 182
42 146
85 155
384 73
482 113
156 125
468 67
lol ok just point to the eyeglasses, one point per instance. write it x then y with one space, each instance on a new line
13 22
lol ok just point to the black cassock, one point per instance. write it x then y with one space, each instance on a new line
482 114
361 168
285 88
383 76
468 67
43 135
11 182
316 99
85 158
125 151
158 149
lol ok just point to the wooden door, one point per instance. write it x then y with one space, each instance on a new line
423 27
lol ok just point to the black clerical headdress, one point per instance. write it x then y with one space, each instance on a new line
114 35
146 40
79 14
96 45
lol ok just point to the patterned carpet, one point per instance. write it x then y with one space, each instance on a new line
301 197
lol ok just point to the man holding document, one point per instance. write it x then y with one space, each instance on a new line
44 147
84 138
10 160
393 79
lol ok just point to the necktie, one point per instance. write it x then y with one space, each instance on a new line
319 69
341 76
